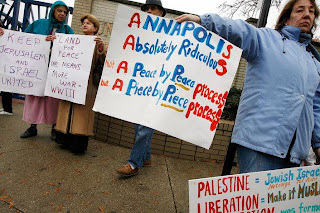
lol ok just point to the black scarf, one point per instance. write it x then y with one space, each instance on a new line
305 37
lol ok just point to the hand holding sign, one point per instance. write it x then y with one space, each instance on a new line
188 17
51 37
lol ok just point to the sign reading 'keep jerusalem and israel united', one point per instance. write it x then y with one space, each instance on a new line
171 77
24 59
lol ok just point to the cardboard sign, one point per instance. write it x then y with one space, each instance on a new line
24 59
70 67
294 190
168 76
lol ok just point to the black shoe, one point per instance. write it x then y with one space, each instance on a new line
60 137
53 135
30 132
78 144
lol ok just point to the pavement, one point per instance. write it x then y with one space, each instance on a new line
37 175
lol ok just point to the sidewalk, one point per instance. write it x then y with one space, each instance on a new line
37 176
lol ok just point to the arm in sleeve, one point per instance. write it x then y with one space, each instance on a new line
315 142
101 51
98 63
316 111
240 33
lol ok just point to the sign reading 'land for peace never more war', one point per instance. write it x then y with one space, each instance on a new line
70 67
24 59
172 77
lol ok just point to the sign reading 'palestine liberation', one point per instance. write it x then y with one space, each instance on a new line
172 77
294 190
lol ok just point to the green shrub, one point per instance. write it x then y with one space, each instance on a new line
232 103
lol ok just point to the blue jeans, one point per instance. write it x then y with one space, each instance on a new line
141 150
253 161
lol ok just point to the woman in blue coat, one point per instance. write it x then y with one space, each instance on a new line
39 110
279 113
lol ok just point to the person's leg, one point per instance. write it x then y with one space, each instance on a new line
6 103
31 131
60 137
141 148
140 151
147 154
79 144
53 135
253 161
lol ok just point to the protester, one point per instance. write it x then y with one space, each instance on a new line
6 96
141 150
279 111
39 110
75 121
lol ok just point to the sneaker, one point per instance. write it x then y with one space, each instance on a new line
5 113
31 131
1 109
127 171
147 163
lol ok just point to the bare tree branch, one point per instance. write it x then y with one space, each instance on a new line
247 8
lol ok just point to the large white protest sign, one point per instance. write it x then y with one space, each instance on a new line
24 59
168 76
70 67
294 190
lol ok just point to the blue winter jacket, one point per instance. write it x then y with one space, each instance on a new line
281 91
45 26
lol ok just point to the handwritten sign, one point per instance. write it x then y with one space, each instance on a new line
24 59
70 67
168 76
294 190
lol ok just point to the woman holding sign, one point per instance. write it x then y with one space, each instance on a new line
75 121
39 110
279 111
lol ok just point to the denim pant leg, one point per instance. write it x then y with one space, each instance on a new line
253 161
142 147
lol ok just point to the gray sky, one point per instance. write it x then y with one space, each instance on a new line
196 7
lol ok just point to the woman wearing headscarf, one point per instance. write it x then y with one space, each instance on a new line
75 121
38 110
279 112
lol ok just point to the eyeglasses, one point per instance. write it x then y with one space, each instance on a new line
152 7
